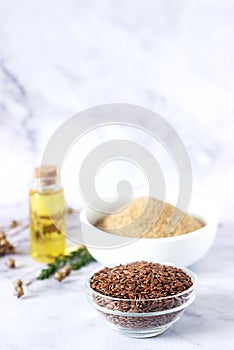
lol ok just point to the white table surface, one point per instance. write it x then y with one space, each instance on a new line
55 315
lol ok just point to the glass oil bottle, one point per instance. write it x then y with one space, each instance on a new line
47 228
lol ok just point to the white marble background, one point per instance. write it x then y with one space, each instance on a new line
173 56
60 57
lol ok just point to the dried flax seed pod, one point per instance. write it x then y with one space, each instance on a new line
65 270
10 263
58 276
14 224
18 283
19 292
2 235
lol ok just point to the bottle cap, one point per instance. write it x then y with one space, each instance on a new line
45 171
46 174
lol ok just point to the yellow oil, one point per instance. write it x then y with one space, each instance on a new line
47 228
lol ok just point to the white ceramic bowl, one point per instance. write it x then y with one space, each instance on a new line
183 250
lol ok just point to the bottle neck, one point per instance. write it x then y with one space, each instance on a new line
47 185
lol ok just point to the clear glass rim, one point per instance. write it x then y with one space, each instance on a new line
143 314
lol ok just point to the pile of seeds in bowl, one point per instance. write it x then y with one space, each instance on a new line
140 280
148 217
141 287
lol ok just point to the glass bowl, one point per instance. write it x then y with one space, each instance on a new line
145 317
